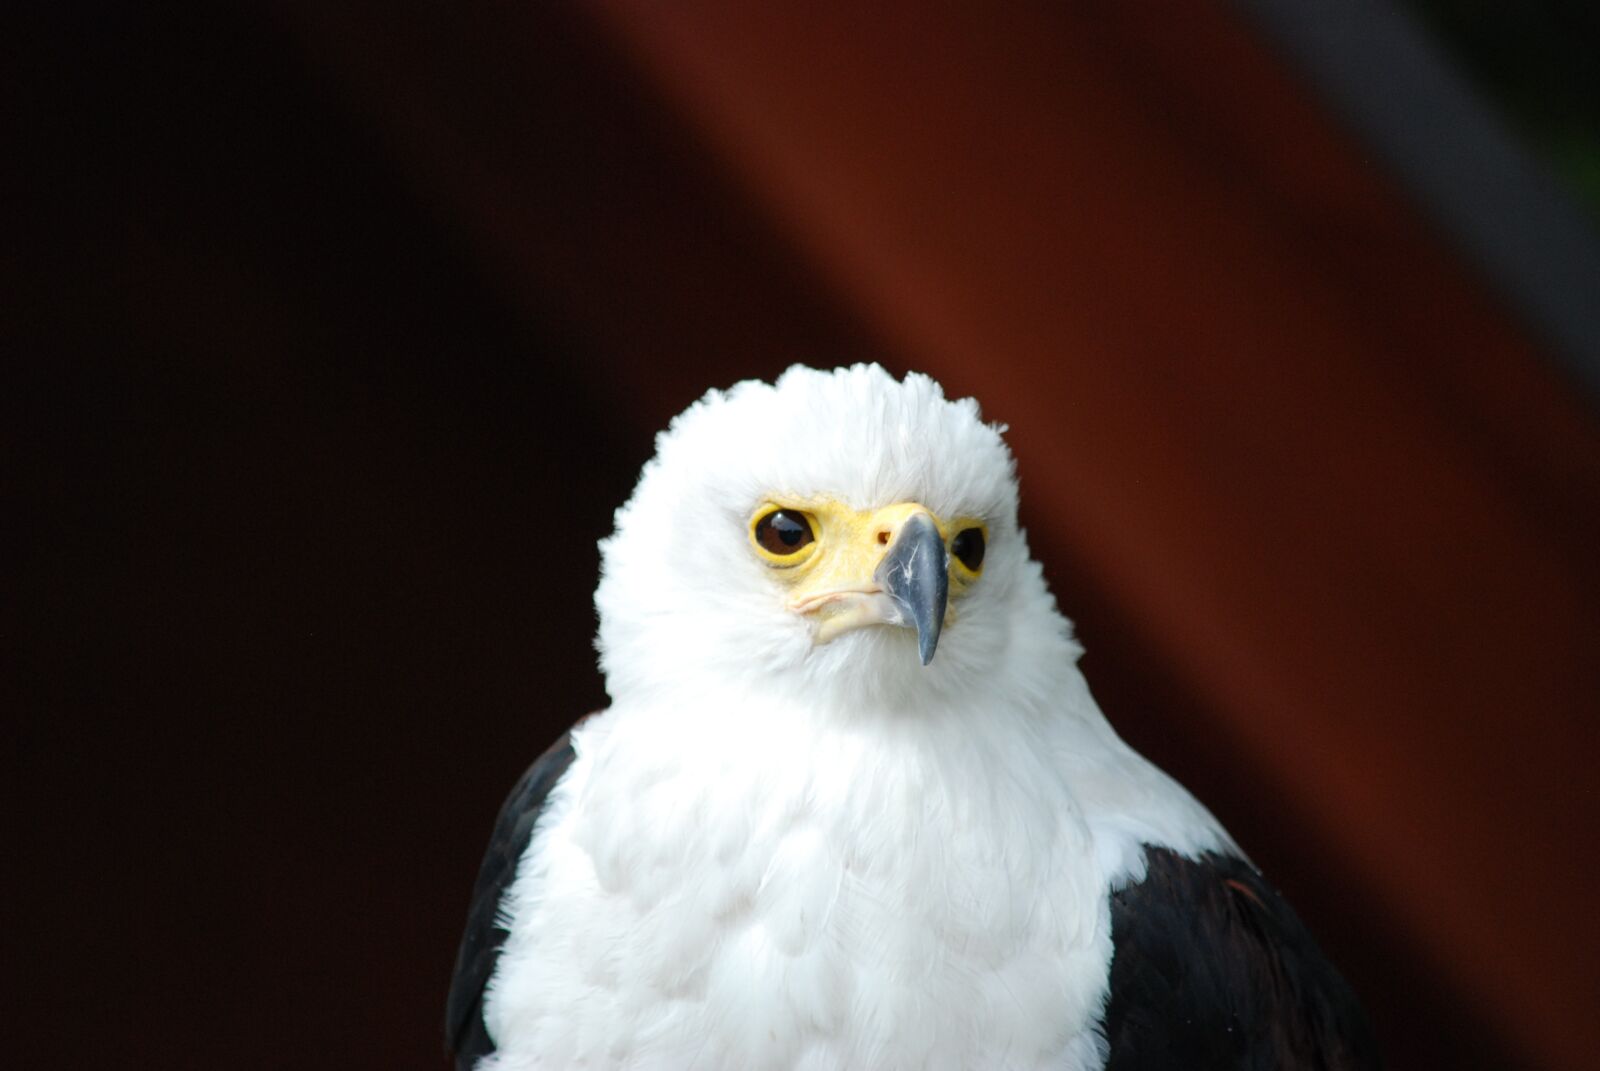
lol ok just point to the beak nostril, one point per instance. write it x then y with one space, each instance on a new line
883 537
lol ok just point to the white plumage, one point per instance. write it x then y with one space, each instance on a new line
770 853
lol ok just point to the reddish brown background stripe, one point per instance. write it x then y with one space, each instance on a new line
1251 394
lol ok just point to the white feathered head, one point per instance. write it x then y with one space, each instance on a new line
837 537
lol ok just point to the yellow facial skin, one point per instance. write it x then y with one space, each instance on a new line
830 581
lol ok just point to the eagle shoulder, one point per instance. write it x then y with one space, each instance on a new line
466 1037
1211 968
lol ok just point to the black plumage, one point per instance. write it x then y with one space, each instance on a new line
466 1037
1212 969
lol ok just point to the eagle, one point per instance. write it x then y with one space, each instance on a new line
852 804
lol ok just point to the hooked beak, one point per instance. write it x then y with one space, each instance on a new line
915 575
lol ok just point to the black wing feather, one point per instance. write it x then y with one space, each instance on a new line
1212 969
466 1038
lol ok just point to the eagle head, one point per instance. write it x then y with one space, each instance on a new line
840 536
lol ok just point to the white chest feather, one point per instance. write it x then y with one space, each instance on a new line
789 897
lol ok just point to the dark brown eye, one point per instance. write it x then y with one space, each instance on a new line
968 548
783 532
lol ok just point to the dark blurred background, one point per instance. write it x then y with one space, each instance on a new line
333 334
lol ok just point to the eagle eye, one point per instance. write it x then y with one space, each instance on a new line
967 548
783 533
